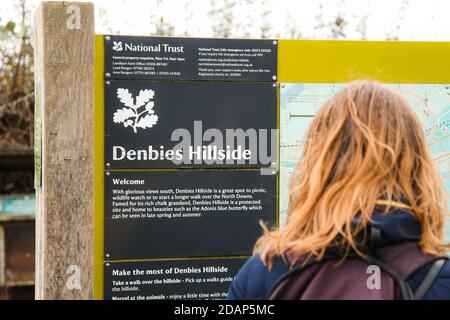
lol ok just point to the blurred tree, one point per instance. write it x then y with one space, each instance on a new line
394 34
102 13
246 22
361 27
161 26
241 19
226 18
266 25
222 17
16 81
189 16
259 19
334 29
291 29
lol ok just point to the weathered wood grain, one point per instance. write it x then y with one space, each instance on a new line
64 67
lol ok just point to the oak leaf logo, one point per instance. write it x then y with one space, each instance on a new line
136 113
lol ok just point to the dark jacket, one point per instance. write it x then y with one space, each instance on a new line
254 281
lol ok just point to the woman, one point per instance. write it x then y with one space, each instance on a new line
365 186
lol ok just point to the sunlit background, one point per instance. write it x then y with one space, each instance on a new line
417 20
301 19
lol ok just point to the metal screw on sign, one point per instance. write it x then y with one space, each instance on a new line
274 41
108 173
274 77
108 75
108 83
107 38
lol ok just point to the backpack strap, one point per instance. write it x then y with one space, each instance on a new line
295 267
429 278
407 259
399 261
405 289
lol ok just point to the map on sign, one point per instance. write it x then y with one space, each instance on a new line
300 101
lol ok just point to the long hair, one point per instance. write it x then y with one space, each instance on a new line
364 147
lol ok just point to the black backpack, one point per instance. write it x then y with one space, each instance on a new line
330 279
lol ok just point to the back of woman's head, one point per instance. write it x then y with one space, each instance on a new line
364 146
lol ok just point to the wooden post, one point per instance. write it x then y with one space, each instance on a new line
64 73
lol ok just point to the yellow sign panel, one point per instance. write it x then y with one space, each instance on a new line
299 61
343 61
98 167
